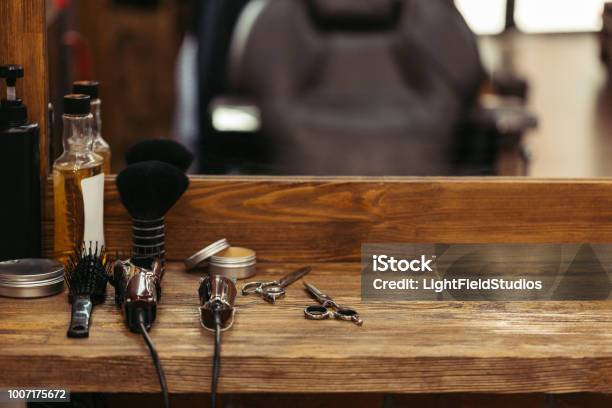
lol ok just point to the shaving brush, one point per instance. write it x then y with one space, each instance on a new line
163 150
86 277
148 190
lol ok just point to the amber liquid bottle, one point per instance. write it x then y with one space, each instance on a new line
100 146
78 183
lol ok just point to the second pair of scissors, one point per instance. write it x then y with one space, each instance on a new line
328 308
273 290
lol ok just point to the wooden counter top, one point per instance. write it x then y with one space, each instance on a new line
402 347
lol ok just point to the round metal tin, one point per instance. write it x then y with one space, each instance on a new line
202 255
31 278
233 263
234 256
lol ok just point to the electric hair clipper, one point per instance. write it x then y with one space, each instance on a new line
137 283
217 296
137 290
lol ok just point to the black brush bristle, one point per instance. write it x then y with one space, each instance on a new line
87 274
149 189
163 150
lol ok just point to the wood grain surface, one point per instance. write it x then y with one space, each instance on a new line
403 347
134 55
327 219
22 42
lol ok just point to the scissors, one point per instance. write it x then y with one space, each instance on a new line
273 290
322 312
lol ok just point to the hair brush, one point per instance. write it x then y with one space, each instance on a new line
148 190
163 150
86 277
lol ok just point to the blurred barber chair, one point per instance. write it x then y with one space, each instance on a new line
361 87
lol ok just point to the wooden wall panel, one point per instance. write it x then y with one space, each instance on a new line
326 219
134 52
22 41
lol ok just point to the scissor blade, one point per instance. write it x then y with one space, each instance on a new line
293 276
316 293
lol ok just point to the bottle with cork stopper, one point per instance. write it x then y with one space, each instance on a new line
100 146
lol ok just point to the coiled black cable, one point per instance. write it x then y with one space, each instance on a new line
155 357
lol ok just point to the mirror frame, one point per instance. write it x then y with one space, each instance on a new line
323 218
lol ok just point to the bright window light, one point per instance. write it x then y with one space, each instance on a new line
234 116
484 16
547 16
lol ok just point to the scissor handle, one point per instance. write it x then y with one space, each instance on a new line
346 313
317 312
272 292
272 289
255 287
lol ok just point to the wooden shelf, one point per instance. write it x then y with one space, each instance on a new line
328 218
403 347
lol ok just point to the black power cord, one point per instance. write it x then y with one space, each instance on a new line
216 357
155 357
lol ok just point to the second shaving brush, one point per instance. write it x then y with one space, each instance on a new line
148 190
86 278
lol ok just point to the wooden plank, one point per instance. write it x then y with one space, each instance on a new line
327 219
403 347
22 41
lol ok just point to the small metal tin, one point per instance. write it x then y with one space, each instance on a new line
202 255
225 260
233 262
31 278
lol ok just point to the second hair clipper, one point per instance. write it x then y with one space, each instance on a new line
217 296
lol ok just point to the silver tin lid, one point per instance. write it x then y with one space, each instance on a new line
203 254
31 278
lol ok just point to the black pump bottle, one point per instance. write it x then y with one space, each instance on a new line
19 174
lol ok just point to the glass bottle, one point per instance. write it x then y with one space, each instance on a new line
100 146
78 182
